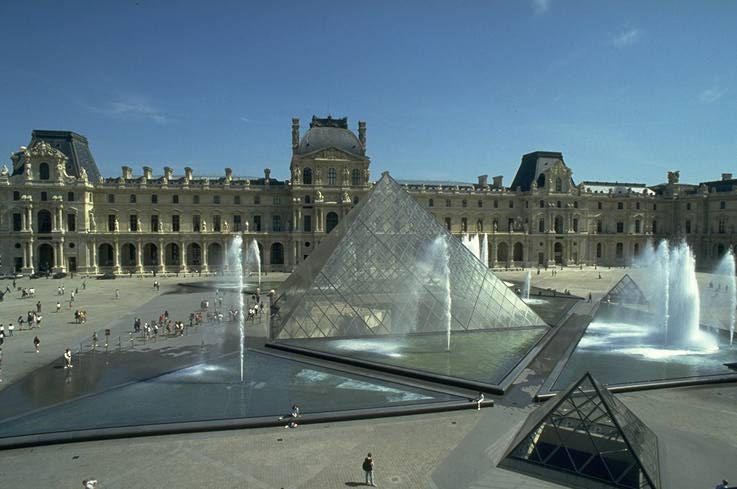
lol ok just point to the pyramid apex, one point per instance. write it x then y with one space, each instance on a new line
385 173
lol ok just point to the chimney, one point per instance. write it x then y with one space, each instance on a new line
295 133
726 176
483 181
267 175
147 173
228 174
187 173
168 173
362 133
498 181
127 172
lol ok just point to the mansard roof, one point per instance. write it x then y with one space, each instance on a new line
330 133
531 166
74 146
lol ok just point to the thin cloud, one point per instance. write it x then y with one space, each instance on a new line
134 108
245 119
625 38
712 94
540 6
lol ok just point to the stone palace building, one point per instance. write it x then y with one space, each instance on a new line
59 214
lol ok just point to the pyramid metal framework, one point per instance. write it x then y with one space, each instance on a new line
586 438
626 291
375 274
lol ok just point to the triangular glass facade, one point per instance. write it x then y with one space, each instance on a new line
584 436
626 291
377 273
390 270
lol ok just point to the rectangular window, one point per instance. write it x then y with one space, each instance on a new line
620 205
154 199
637 206
464 203
496 204
575 225
510 224
655 207
134 222
688 206
447 223
722 204
174 199
110 198
257 223
44 196
277 200
637 226
276 223
237 223
511 204
175 223
237 199
721 226
598 205
215 199
132 198
111 222
542 204
688 227
216 223
70 196
655 227
620 227
17 222
447 202
598 226
481 203
154 224
195 223
71 222
307 224
430 203
541 226
256 199
195 199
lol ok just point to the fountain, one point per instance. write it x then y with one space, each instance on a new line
485 250
727 284
253 258
440 258
235 260
526 286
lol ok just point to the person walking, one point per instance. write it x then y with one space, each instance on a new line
68 359
368 468
36 343
117 293
478 401
723 485
38 307
58 306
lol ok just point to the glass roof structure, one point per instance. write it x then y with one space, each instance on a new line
626 291
393 281
585 437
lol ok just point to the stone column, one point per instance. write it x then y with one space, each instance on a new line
29 219
30 255
162 267
62 261
295 253
182 257
94 256
116 256
204 266
139 256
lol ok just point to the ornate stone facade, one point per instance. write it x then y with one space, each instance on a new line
53 217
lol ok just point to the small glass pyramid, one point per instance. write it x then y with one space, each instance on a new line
626 291
586 437
390 285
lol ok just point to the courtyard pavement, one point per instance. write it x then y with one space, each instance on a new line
696 426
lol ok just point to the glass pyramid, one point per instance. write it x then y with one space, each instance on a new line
586 437
626 291
389 270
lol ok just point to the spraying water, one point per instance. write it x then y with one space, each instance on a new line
253 260
485 250
235 259
726 272
440 257
526 286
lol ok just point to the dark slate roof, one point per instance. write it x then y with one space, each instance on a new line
720 185
527 172
330 133
74 146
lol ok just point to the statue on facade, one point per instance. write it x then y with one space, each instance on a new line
116 224
225 226
83 175
346 197
346 175
319 196
138 224
365 175
318 176
4 171
204 226
295 174
93 225
245 228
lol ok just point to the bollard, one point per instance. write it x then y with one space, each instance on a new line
131 338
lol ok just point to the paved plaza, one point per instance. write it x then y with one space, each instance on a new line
696 426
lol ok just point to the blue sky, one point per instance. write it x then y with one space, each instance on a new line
449 90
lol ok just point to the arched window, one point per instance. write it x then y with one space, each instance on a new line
541 181
277 254
620 251
43 171
558 184
356 177
331 220
16 195
332 176
307 176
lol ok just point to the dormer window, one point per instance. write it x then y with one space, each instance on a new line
558 184
43 171
332 176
